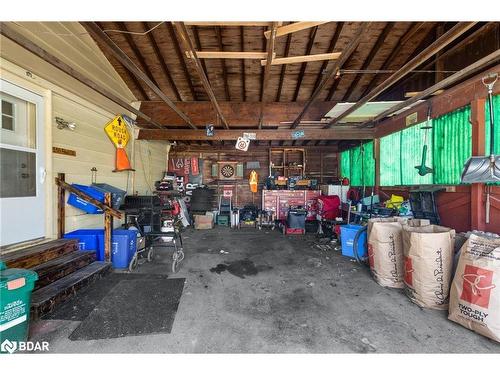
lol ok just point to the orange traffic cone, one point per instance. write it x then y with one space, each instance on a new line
122 162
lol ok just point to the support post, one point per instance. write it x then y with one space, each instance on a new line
376 155
478 148
61 212
108 227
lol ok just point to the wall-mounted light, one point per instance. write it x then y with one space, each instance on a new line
63 124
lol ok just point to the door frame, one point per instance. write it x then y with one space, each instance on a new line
19 90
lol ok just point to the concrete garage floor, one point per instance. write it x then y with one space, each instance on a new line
302 300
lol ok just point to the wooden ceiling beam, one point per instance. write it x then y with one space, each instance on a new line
302 59
380 40
267 70
136 51
283 68
226 23
161 60
412 30
346 53
474 68
237 113
292 28
337 133
96 32
188 46
218 35
331 48
35 49
420 58
132 78
180 57
197 41
303 67
243 74
229 54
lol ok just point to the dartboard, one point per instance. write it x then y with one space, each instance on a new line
227 171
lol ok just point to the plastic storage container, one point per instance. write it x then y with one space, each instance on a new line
87 238
15 297
123 247
296 219
117 195
347 234
79 203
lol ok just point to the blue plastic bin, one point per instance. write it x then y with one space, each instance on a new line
347 234
89 208
117 195
87 239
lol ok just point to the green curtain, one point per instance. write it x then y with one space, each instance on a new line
390 159
345 164
496 113
358 165
452 145
412 143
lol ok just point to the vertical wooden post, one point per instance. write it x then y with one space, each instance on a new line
478 148
376 155
108 228
61 214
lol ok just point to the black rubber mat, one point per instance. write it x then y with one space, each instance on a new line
132 308
81 305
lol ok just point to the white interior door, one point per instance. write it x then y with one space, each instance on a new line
22 165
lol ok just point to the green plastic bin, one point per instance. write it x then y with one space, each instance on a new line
16 285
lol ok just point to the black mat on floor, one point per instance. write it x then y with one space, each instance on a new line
81 305
131 308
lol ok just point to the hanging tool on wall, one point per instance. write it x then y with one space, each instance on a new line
485 168
422 168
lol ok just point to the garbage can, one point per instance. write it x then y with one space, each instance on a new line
347 234
16 285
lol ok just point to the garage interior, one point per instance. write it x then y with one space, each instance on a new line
218 187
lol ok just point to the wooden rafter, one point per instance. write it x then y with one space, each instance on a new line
228 54
22 41
267 70
96 32
136 51
218 35
197 42
180 57
412 30
456 77
337 133
431 50
188 46
243 75
161 60
132 78
302 59
226 23
283 68
331 48
380 40
346 53
292 28
303 67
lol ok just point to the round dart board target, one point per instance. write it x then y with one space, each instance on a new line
227 171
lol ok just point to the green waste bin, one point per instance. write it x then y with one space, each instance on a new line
16 285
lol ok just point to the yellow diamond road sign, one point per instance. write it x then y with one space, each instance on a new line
117 131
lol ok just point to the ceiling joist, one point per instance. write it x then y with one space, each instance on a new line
267 70
188 46
292 28
302 59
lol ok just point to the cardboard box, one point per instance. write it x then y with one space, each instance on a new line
203 221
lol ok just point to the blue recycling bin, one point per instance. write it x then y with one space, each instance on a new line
123 247
87 239
347 234
83 205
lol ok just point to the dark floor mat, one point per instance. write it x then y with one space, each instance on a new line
81 305
131 308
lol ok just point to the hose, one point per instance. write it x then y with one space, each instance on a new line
355 246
